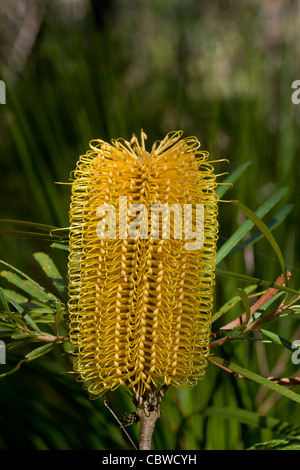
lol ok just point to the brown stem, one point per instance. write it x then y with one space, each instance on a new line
147 425
243 318
148 412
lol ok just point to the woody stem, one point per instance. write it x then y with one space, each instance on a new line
148 412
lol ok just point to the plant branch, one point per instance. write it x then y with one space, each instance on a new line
242 320
148 412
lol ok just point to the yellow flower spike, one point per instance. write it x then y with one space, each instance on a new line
141 264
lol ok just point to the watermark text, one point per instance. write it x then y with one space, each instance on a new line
296 94
138 221
2 92
2 352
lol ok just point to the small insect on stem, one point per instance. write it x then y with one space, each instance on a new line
120 424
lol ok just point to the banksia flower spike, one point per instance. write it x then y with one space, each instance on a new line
141 267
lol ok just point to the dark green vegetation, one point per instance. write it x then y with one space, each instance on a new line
223 75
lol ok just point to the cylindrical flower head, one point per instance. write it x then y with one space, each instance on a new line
141 267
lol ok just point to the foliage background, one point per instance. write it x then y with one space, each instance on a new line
76 70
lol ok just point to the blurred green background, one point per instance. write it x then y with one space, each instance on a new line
76 70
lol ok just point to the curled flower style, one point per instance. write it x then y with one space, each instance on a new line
140 292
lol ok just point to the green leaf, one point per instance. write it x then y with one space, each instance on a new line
256 378
252 418
231 303
275 222
278 339
248 224
264 229
16 319
250 279
40 351
31 323
35 225
58 317
246 303
52 272
4 301
15 299
29 286
60 246
227 183
26 234
288 443
32 355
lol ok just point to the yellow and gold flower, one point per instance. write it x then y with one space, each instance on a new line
141 292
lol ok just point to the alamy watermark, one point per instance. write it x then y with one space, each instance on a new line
296 94
2 92
296 353
188 222
2 352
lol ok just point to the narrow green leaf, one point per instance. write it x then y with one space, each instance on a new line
230 179
26 234
52 272
278 339
16 319
248 224
251 279
32 288
15 299
231 303
60 246
5 331
31 323
285 392
24 336
40 351
269 236
4 301
245 300
275 222
288 443
252 418
23 275
34 354
58 317
35 225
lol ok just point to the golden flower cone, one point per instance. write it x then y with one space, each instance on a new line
140 306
